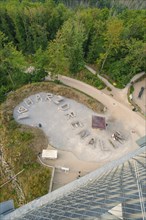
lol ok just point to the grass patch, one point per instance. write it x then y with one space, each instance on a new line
25 136
90 79
38 182
131 89
20 153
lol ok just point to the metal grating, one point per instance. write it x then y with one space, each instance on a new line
123 184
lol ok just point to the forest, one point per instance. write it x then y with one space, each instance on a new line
118 4
37 37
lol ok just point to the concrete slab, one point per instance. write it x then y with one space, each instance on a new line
67 133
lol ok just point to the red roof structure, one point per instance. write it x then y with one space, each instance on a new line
98 122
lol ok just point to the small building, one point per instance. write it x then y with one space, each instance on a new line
98 122
50 154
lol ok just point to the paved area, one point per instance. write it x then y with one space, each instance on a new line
77 168
67 125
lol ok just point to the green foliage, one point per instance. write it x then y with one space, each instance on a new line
51 37
30 25
109 89
74 34
13 67
131 89
40 59
90 79
38 183
12 64
121 70
58 62
66 51
123 57
57 81
26 136
94 26
13 125
20 152
38 75
116 4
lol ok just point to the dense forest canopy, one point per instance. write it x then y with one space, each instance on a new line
49 36
131 4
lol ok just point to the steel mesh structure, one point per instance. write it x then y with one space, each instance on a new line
116 191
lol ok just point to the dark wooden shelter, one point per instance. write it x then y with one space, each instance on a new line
98 122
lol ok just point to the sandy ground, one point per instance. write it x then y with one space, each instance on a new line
141 102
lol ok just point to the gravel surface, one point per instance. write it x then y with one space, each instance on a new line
57 125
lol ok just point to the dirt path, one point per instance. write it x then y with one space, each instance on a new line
118 94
